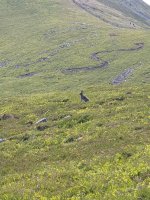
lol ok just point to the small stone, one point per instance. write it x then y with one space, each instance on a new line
2 140
41 121
67 117
42 128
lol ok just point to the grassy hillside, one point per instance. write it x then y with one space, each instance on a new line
45 37
50 51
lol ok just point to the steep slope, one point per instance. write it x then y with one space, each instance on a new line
41 40
137 10
123 13
51 50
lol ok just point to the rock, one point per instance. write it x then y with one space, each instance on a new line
119 98
41 128
7 116
41 121
128 93
80 138
67 117
2 140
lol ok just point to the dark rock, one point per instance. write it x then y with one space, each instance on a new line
138 128
25 137
7 116
69 140
41 128
119 98
126 154
65 100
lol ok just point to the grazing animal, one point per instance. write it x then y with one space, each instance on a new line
83 97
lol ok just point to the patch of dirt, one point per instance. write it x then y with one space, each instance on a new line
50 53
122 77
113 35
3 63
125 74
47 54
42 59
17 66
55 31
27 75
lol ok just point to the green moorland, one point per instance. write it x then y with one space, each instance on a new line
90 151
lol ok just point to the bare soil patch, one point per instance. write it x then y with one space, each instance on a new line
122 77
27 75
3 63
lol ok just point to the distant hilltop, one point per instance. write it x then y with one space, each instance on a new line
119 13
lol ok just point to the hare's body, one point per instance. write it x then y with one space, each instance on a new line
83 97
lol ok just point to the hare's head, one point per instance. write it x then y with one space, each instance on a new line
81 93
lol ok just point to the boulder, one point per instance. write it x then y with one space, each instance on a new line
41 121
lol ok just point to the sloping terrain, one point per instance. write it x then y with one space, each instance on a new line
137 10
123 13
52 145
38 42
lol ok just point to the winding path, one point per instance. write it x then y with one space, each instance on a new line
104 63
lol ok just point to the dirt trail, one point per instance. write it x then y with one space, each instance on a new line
86 68
104 63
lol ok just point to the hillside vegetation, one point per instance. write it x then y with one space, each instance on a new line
51 50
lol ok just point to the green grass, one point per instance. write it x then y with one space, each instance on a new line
29 36
98 150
